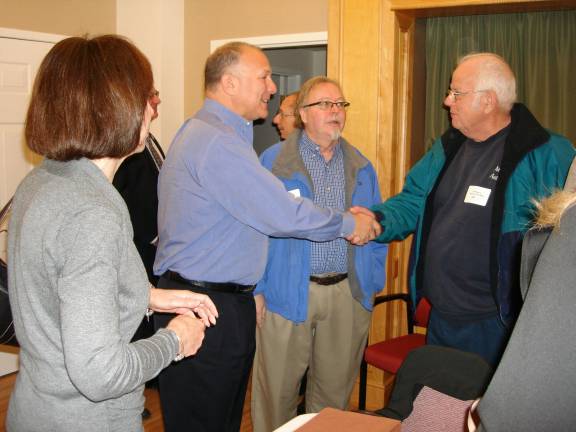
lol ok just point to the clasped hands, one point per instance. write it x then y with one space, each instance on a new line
195 313
366 228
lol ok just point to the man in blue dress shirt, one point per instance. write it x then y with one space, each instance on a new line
217 207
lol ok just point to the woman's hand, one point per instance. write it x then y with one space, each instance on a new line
182 302
190 331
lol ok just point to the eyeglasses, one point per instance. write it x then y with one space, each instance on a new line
453 94
284 115
326 105
154 93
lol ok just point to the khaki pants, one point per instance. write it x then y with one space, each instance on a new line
330 343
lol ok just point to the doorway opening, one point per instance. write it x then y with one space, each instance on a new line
294 59
291 67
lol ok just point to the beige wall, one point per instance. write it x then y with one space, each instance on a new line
225 19
64 17
162 40
204 20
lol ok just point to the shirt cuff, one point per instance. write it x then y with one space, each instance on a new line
348 224
379 216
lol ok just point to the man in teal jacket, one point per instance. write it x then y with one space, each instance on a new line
318 295
469 201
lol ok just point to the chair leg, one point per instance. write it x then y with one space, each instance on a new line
362 386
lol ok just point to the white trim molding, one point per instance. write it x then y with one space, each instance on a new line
30 35
278 41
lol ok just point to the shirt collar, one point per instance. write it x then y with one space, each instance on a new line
242 126
306 144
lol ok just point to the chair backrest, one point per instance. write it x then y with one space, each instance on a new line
422 313
459 374
434 411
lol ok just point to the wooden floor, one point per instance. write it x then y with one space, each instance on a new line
6 384
153 424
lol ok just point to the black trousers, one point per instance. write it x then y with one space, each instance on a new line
205 392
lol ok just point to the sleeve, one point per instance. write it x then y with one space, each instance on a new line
542 172
253 195
269 155
378 250
100 364
558 167
400 213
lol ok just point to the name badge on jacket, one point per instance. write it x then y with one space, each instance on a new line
477 195
295 193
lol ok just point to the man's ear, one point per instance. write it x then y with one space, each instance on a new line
489 101
229 83
303 114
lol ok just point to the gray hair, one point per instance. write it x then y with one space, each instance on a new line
221 60
494 74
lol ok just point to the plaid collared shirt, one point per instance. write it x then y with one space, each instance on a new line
329 191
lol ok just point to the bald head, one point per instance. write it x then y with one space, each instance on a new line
482 92
493 73
238 76
285 118
222 60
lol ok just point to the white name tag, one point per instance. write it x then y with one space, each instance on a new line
295 193
477 195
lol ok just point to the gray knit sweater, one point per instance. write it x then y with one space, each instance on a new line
534 387
78 291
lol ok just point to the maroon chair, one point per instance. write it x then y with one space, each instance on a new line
388 355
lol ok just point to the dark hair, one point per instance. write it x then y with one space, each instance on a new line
221 60
305 91
89 99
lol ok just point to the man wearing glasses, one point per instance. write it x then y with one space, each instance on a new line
285 118
318 294
469 201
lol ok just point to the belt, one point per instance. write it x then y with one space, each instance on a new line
225 287
329 280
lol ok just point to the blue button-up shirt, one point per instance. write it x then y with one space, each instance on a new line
329 191
217 204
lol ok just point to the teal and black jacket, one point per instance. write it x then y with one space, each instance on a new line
535 163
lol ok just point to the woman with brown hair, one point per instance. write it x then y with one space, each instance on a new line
78 289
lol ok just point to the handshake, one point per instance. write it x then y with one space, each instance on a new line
366 228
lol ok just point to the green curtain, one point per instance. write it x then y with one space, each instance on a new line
539 46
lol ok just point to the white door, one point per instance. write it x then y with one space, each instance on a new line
19 61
